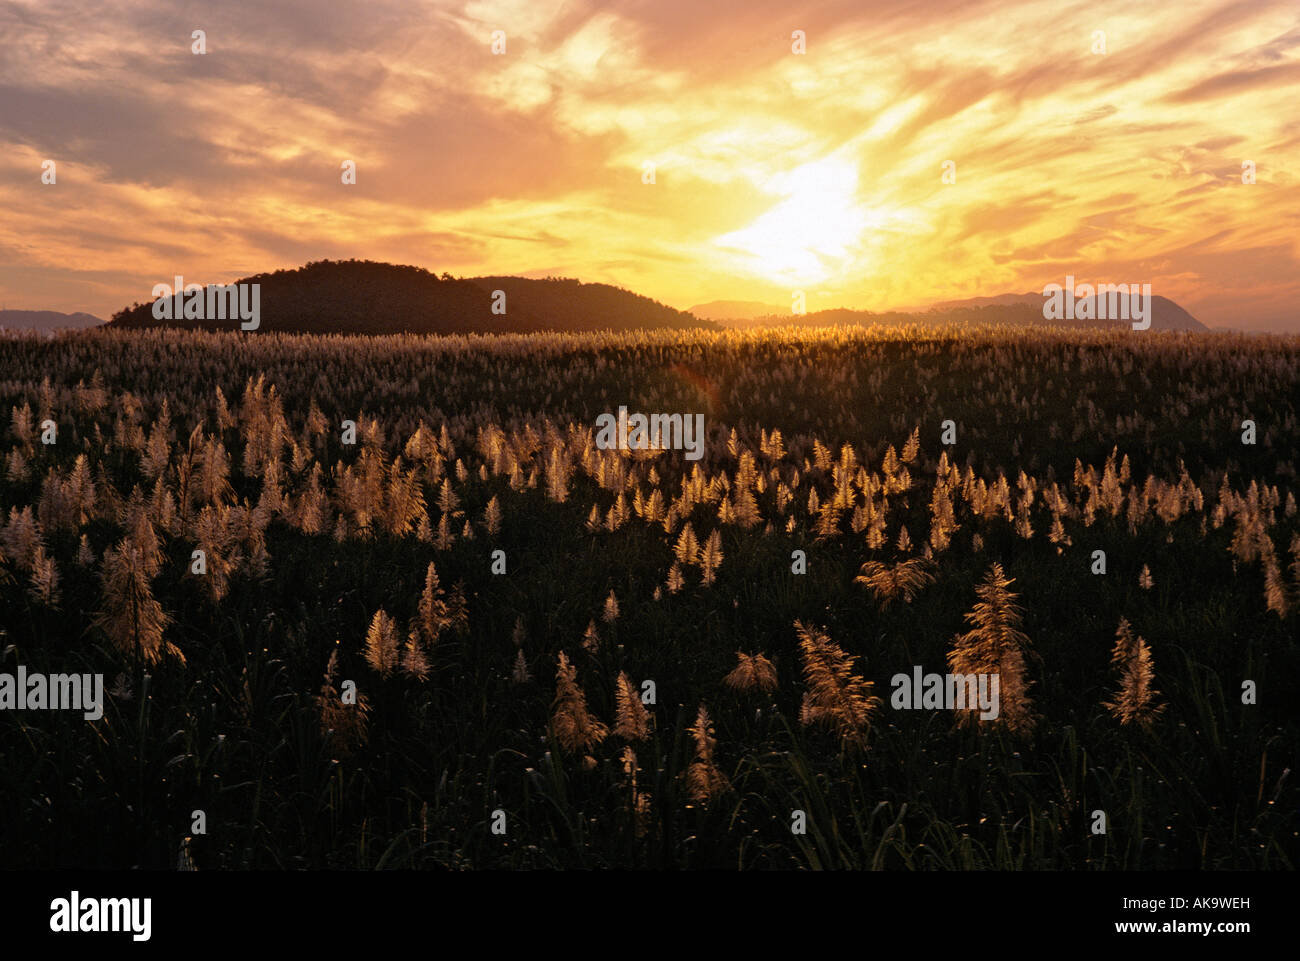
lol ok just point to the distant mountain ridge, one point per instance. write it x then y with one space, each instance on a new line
1014 310
723 310
368 297
1165 314
46 320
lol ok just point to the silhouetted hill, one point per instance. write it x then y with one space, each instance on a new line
725 310
361 296
365 297
1165 314
1009 310
45 320
568 304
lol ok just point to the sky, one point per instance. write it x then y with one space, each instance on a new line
684 150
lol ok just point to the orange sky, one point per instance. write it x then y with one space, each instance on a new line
774 171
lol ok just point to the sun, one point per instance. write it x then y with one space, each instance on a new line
813 232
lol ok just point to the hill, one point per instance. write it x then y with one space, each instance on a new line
1008 310
1165 314
366 297
735 310
45 320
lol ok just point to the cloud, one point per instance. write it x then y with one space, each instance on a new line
224 164
1240 82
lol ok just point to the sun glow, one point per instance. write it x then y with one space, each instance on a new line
815 231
